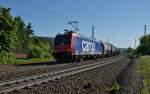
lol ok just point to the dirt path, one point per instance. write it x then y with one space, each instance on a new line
129 80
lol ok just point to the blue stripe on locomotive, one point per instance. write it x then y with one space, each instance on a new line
87 46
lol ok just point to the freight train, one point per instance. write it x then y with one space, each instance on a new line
72 46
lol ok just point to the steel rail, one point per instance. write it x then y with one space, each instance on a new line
30 81
40 75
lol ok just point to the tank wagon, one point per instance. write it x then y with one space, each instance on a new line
72 46
106 49
114 50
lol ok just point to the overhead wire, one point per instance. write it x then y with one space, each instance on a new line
91 14
64 18
49 11
88 11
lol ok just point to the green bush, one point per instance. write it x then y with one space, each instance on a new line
131 52
114 88
6 57
39 49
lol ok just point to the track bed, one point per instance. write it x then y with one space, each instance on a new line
104 74
10 72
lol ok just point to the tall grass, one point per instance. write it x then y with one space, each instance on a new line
144 70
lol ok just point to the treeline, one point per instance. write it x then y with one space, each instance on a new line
143 48
14 32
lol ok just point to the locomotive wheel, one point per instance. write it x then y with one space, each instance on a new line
78 59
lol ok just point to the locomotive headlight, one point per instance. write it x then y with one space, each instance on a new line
68 50
55 50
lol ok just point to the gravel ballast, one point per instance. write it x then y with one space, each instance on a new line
10 72
90 82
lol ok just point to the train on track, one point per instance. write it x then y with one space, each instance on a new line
73 46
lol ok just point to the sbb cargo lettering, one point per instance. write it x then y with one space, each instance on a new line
88 46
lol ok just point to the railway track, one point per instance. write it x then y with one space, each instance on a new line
47 62
16 85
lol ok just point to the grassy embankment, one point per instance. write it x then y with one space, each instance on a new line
144 70
35 60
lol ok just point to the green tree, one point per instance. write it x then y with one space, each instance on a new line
20 29
144 47
29 30
7 36
29 33
1 10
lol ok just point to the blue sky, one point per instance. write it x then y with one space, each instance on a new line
118 21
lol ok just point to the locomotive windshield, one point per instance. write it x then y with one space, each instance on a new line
62 39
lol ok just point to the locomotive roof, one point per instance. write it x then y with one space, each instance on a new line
78 34
86 37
